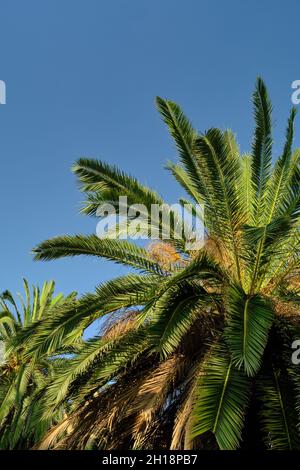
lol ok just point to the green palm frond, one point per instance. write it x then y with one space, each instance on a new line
184 135
279 421
7 296
103 179
120 251
248 323
278 185
262 245
8 325
183 178
174 314
246 188
105 184
223 170
69 322
262 145
221 400
8 396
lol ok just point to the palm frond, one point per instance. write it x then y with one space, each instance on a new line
262 145
278 185
69 321
120 251
221 400
223 171
249 320
279 420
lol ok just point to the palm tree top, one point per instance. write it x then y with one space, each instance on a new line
195 340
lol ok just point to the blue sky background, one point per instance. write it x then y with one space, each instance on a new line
81 80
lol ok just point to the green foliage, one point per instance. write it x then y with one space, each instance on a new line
198 342
22 376
248 324
222 396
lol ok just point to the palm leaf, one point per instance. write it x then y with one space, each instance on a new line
122 252
248 323
279 420
262 145
279 181
221 400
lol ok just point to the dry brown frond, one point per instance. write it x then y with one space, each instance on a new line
294 281
182 423
180 434
106 414
286 309
152 395
55 433
117 328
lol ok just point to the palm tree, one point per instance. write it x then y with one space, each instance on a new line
23 380
195 352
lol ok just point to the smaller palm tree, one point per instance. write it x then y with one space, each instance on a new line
21 380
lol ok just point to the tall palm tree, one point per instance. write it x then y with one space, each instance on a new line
22 380
195 352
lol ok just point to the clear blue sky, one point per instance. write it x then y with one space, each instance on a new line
81 80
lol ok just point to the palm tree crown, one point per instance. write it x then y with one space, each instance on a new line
195 351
